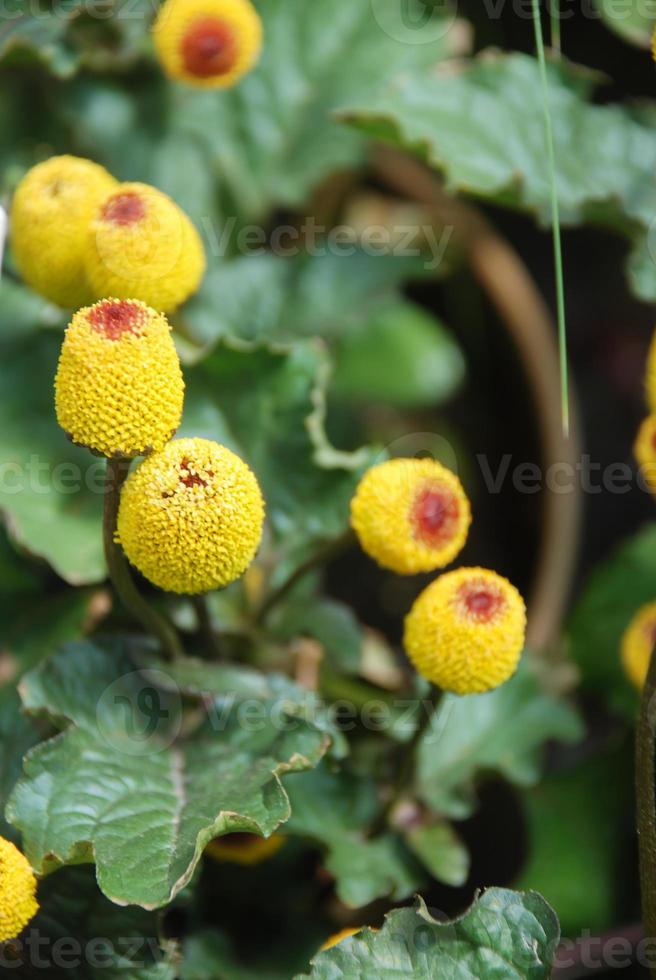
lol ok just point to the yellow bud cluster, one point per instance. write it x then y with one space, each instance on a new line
141 245
18 904
190 517
638 643
208 43
119 388
245 849
49 221
411 515
465 632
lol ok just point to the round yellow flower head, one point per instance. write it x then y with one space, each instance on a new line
337 937
208 43
190 517
638 643
18 902
141 245
650 377
119 388
50 214
644 450
244 849
465 632
411 515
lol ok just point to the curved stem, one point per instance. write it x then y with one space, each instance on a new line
320 557
511 290
646 802
119 570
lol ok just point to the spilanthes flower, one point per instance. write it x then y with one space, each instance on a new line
191 516
337 937
18 904
119 388
411 515
244 849
208 43
141 245
644 450
50 214
638 643
465 632
650 376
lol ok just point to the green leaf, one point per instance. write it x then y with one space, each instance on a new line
332 623
402 357
17 734
504 934
441 851
502 731
51 495
613 594
281 300
32 30
127 785
590 801
633 21
77 929
268 405
271 138
22 311
336 809
605 155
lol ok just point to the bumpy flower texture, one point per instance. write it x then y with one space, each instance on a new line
644 450
119 388
141 245
465 632
411 515
207 43
18 904
50 214
638 643
190 517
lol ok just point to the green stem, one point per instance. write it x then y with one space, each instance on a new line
646 802
555 220
119 570
206 628
320 557
555 26
406 769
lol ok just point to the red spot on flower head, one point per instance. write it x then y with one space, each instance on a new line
209 47
113 318
125 208
435 514
190 479
481 601
650 632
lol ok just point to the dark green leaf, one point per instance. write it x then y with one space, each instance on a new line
501 731
504 934
126 786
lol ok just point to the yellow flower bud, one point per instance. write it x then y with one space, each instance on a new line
141 245
244 849
465 632
644 450
208 43
650 377
119 388
50 214
18 902
191 516
411 515
638 643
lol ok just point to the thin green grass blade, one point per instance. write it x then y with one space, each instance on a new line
555 219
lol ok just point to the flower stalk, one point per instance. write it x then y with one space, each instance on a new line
119 570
